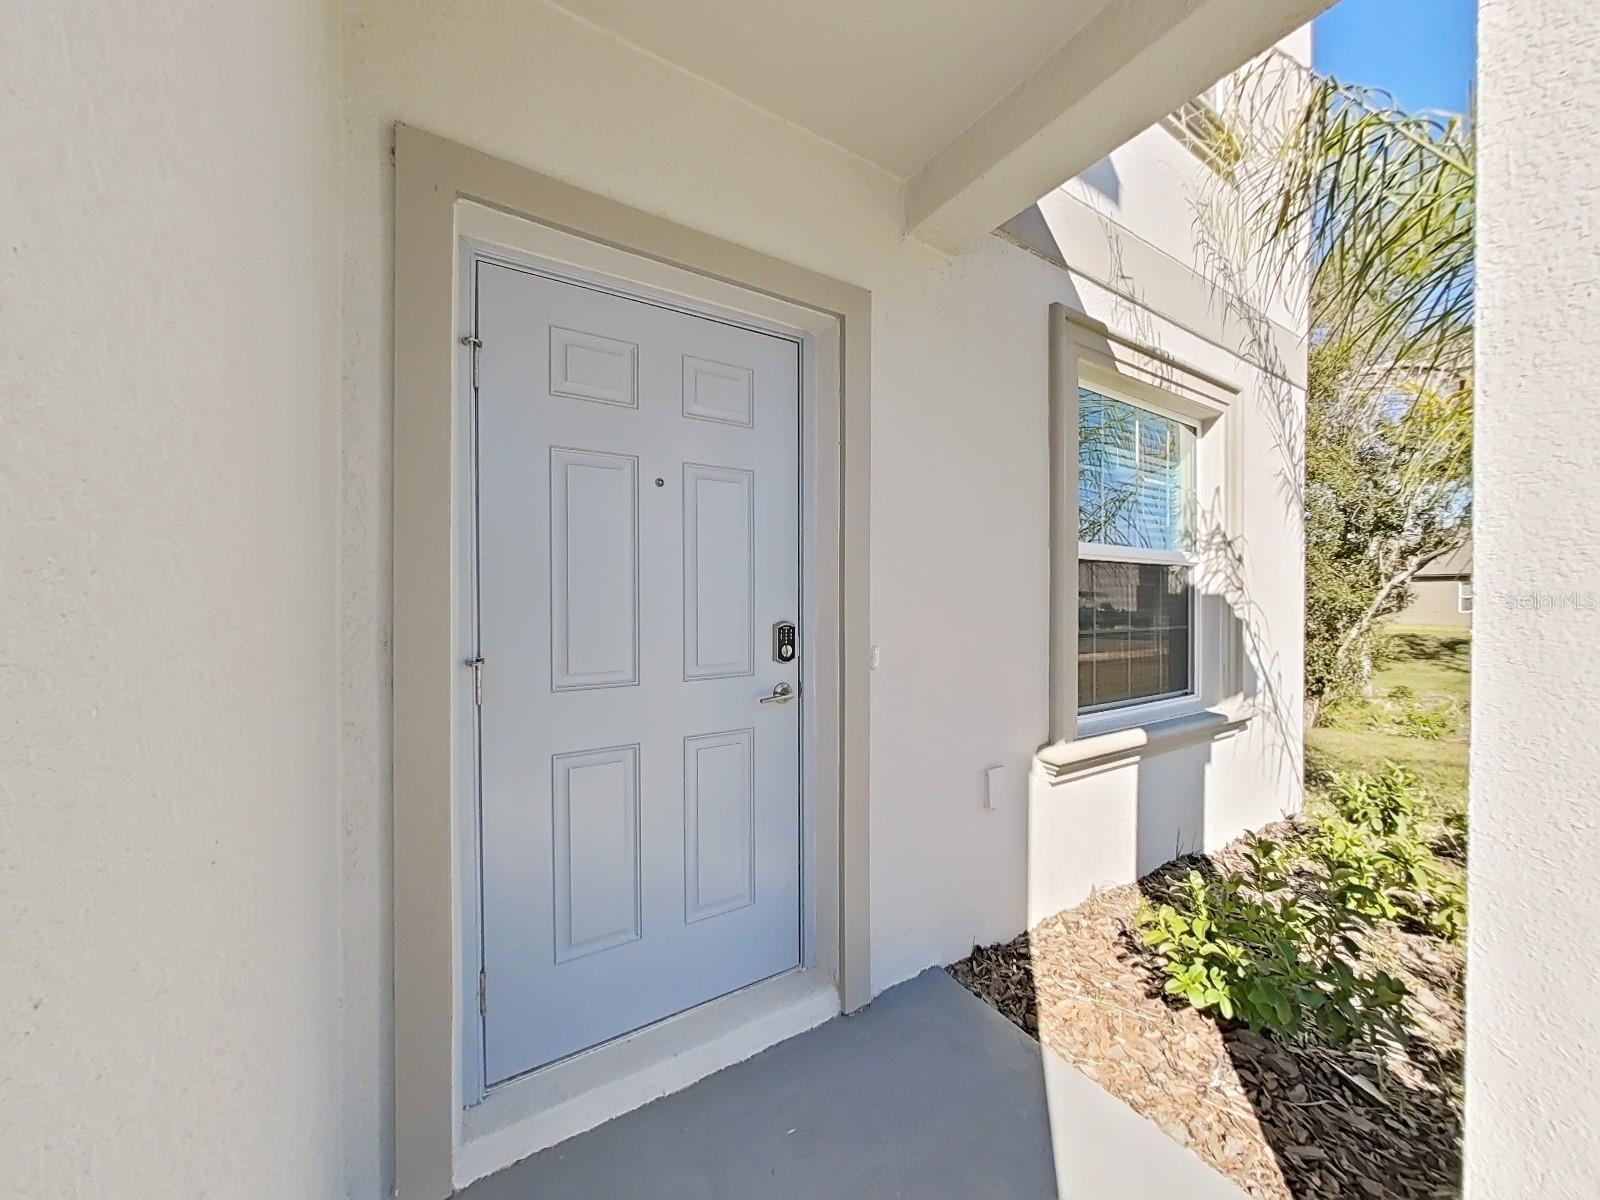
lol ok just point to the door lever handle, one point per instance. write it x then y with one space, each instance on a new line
781 694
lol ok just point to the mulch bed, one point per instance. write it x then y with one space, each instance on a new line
1286 1119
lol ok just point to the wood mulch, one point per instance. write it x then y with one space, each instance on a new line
1286 1119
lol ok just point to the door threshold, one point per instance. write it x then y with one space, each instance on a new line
550 1105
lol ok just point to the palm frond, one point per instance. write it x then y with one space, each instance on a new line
1374 204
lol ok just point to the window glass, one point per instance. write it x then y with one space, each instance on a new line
1135 603
1133 476
1133 632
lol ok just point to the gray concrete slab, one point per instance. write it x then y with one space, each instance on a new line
927 1093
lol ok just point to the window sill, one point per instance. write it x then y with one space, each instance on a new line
1061 761
1138 716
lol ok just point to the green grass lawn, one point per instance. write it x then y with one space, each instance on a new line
1434 664
1429 659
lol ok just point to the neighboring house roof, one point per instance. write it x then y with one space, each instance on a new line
1455 565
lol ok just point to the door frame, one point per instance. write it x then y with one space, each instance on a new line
445 193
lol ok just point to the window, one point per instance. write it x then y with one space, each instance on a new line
1145 629
1464 596
1135 537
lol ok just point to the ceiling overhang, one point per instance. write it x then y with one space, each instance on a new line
975 111
1132 64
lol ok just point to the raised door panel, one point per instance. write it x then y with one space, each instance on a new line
587 366
721 392
594 569
719 823
595 820
718 572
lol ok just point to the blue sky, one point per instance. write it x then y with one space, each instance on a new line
1422 51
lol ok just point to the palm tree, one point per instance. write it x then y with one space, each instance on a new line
1387 199
1383 199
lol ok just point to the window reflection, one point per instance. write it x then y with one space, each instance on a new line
1133 632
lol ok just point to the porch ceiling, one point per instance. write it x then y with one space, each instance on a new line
977 109
891 82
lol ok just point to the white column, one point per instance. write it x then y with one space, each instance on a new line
1533 996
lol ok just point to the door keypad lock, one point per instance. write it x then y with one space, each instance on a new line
784 646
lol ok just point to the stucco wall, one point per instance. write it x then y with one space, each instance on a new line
1533 1037
1149 187
168 803
959 522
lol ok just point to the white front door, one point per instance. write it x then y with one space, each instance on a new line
638 541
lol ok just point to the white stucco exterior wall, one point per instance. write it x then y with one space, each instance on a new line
960 579
168 804
1533 1037
1149 187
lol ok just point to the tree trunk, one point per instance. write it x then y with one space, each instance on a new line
1356 634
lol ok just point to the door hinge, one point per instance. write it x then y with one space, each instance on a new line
477 680
483 993
474 343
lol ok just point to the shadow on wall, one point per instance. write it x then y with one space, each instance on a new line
1222 560
1103 178
1224 571
1170 805
1233 288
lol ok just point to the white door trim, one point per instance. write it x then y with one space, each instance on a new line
439 1142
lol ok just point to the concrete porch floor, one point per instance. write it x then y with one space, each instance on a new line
928 1093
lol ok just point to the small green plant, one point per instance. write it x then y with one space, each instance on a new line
1278 945
1445 914
1430 724
1376 852
1382 803
1402 694
1251 948
1390 878
1357 875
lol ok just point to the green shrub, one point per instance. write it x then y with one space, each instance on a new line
1277 945
1430 724
1251 948
1393 877
1377 854
1445 907
1382 803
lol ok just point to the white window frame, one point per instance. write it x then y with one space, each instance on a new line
1088 354
1141 707
1464 597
